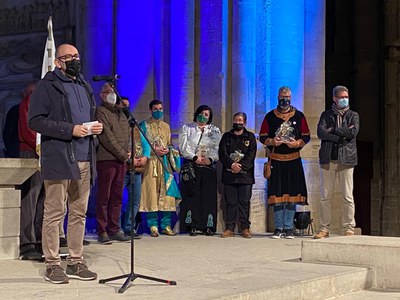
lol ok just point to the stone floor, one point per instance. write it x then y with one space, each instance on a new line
204 268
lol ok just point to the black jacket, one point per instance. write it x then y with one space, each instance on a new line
50 115
344 136
247 145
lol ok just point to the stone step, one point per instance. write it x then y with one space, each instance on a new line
372 294
317 285
381 254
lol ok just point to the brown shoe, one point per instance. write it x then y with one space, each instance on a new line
349 233
321 235
246 233
168 231
154 231
227 233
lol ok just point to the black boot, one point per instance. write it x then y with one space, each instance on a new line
209 232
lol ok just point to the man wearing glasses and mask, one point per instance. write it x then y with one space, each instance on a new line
61 106
284 131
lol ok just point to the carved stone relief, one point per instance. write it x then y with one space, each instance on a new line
33 17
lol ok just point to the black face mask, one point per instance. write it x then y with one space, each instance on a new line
284 103
72 67
237 127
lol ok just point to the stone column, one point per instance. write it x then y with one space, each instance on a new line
244 58
211 66
96 43
314 99
161 49
389 205
280 62
181 75
286 49
212 69
135 30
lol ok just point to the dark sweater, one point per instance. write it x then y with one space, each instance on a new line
246 144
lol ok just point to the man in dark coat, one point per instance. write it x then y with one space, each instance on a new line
337 129
62 110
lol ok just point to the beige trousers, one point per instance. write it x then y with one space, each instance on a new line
78 196
344 174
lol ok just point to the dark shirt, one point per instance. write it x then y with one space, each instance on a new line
80 110
246 145
10 132
342 138
274 119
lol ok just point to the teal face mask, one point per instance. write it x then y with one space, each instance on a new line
157 114
202 119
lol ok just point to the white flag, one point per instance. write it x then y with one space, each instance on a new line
48 63
49 51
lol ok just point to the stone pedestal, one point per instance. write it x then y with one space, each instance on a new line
13 172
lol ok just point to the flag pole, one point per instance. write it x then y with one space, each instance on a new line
48 63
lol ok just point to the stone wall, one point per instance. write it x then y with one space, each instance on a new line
23 33
389 202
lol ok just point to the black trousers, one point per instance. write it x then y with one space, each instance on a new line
237 198
199 201
32 206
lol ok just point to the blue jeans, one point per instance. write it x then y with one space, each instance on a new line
134 189
284 215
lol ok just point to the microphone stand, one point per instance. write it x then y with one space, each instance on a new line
131 276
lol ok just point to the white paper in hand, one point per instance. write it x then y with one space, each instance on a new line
89 126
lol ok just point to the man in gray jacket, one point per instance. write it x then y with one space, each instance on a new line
337 130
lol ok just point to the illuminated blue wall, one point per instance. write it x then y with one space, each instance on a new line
135 49
286 49
154 51
244 58
97 50
181 79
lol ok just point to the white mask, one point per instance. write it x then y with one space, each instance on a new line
111 98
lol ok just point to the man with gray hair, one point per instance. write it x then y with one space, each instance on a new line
337 130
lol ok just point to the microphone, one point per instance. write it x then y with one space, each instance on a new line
106 77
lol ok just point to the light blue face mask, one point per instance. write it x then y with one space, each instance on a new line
343 102
157 114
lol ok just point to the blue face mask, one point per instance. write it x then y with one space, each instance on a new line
343 102
157 114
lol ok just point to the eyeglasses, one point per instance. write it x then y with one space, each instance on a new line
69 57
108 92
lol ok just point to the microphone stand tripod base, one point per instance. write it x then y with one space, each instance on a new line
131 277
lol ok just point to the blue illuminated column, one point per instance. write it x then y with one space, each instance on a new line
314 72
135 53
244 58
314 104
285 48
212 58
262 76
96 46
161 51
181 63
